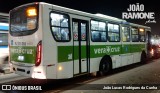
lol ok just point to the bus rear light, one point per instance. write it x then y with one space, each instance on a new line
152 51
36 3
38 54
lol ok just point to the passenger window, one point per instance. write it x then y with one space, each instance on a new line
141 35
98 31
134 34
113 33
60 26
125 34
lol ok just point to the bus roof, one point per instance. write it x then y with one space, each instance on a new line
97 16
94 16
77 12
110 17
137 25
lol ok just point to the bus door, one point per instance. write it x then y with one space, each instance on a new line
126 56
80 37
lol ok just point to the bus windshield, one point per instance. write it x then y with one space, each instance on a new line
3 39
23 21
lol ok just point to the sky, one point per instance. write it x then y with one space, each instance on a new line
113 8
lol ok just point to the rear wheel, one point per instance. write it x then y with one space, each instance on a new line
105 67
143 58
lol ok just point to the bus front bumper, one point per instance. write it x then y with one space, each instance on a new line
33 72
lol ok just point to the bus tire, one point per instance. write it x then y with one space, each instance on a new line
143 58
105 66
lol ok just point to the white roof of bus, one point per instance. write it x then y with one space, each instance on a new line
133 24
98 15
102 16
109 17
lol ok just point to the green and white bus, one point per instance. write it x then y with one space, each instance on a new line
53 42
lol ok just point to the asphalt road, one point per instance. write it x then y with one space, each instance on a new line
147 75
122 77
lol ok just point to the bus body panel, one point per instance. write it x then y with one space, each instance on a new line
63 59
51 48
31 71
23 53
49 45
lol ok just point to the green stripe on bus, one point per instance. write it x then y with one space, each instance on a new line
101 50
69 53
65 53
25 54
137 48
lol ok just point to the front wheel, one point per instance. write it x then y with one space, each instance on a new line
104 67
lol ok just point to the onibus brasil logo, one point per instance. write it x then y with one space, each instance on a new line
136 11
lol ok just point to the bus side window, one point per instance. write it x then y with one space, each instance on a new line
103 36
95 36
113 32
60 26
134 34
125 34
142 39
64 34
135 38
98 31
141 35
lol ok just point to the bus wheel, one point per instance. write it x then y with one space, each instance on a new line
104 67
143 58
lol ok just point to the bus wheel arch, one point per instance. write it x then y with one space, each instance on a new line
143 57
105 65
6 60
